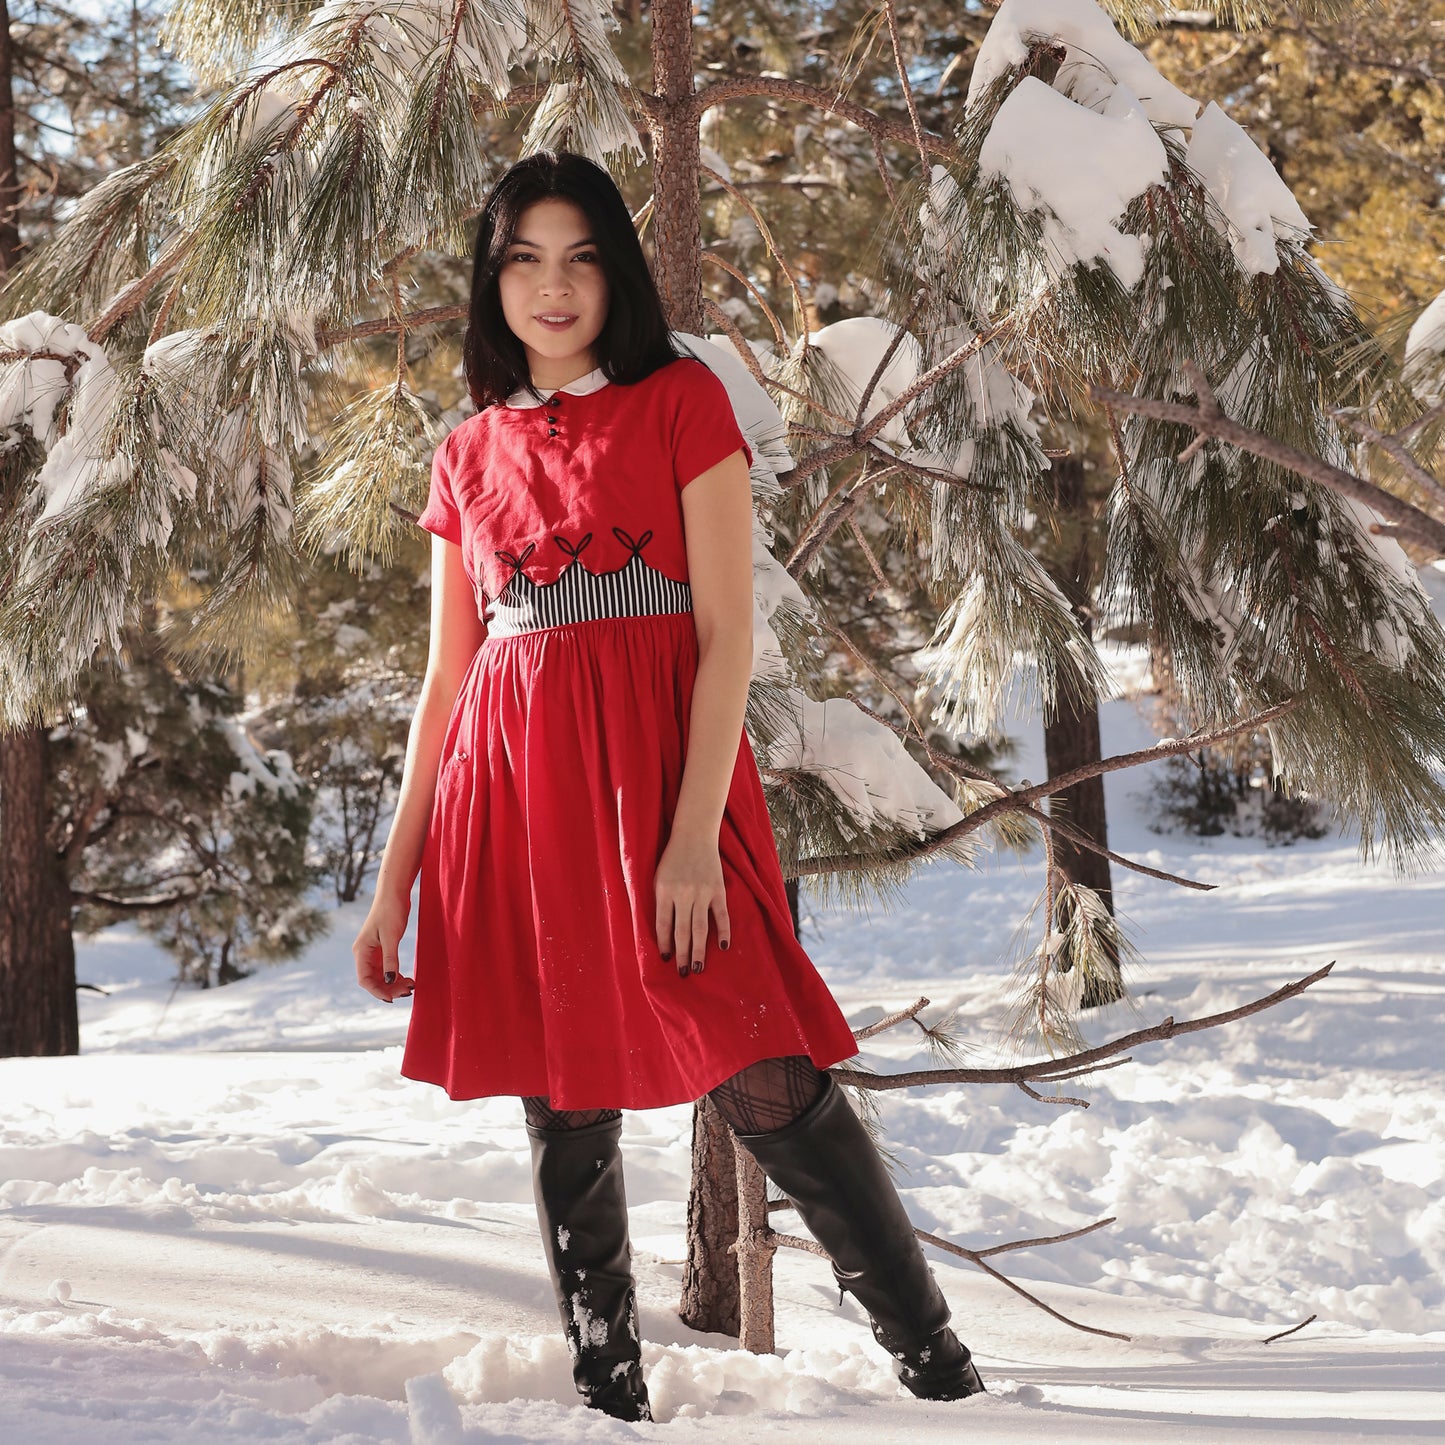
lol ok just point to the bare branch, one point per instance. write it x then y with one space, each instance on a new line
1081 839
966 770
890 350
1406 433
882 1025
1072 1064
890 10
1294 1329
774 250
1030 1243
792 1241
762 300
1053 1098
977 1257
746 354
980 1258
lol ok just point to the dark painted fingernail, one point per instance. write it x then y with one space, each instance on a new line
722 943
388 978
682 972
697 965
667 958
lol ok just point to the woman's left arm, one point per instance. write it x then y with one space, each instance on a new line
717 509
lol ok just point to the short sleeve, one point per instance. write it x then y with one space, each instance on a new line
440 515
705 428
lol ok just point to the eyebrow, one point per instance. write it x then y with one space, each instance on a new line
519 241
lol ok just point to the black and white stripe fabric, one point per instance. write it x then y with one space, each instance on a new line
635 590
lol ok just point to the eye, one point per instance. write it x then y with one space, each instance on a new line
585 256
520 256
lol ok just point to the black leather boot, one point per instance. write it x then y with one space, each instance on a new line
827 1165
582 1208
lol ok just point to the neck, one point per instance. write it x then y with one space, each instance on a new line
550 376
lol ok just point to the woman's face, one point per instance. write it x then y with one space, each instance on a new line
552 270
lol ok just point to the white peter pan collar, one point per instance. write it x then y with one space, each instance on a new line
593 381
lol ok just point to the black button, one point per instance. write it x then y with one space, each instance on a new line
551 431
551 418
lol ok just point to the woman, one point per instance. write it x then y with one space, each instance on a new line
602 920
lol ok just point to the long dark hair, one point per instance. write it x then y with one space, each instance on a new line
634 340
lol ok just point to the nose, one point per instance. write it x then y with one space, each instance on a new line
555 280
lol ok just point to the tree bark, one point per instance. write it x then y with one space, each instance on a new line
711 1301
38 1013
710 1278
37 953
1071 737
9 175
755 1250
677 218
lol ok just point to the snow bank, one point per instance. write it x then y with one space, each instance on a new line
231 1219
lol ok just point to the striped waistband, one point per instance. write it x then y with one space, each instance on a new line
578 595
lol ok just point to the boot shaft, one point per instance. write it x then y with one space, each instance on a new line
582 1212
831 1170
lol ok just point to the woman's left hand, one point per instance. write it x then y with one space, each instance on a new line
688 884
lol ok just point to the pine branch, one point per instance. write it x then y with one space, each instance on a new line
1393 447
774 250
131 905
1020 797
1208 420
737 87
861 436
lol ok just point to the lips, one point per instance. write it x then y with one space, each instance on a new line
555 320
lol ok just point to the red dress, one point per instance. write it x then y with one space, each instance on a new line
537 964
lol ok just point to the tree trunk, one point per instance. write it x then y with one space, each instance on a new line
677 218
710 1278
9 176
37 954
755 1250
710 1290
1071 738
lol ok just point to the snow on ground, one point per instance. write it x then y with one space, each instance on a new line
231 1220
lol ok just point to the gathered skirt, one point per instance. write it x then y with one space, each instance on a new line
538 970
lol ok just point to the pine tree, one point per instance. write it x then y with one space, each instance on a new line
171 814
77 93
1080 227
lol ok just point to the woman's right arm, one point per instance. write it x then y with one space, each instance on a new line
456 633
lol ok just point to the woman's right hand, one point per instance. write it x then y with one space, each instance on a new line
375 949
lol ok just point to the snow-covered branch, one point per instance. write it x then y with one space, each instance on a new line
1208 419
